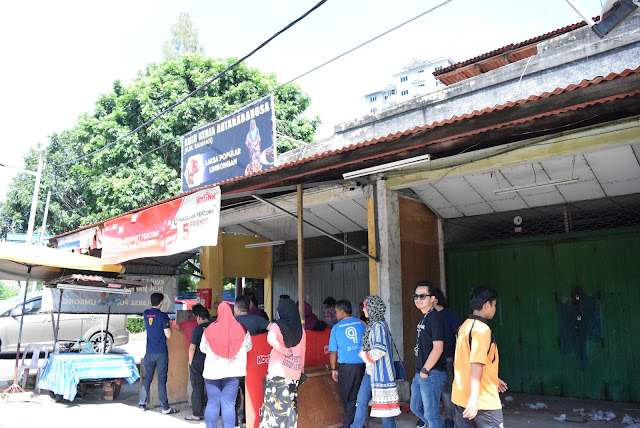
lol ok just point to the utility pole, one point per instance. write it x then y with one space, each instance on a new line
44 218
34 199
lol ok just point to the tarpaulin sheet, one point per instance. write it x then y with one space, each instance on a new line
175 226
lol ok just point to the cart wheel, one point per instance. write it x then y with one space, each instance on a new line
116 389
56 397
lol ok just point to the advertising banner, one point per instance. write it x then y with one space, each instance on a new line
179 225
81 239
74 301
240 144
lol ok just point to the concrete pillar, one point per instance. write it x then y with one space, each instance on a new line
386 278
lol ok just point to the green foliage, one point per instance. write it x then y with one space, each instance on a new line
228 283
7 292
184 39
135 324
114 181
187 283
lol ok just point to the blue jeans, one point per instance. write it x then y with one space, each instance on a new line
425 397
222 394
362 406
151 362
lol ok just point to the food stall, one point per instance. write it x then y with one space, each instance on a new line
65 372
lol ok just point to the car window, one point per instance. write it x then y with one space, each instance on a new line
33 306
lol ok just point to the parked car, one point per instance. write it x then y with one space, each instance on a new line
38 325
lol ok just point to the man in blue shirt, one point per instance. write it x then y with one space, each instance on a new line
344 345
157 355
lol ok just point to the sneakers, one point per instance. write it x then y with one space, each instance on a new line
170 411
420 424
142 407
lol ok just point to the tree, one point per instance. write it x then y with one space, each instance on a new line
184 39
118 179
7 292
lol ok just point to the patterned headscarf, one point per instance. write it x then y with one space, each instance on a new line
376 309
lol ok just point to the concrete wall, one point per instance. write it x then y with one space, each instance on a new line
420 261
231 259
561 61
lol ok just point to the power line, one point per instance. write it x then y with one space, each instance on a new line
364 43
200 88
271 91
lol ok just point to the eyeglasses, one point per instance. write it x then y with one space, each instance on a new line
421 296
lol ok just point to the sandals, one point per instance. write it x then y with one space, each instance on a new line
193 418
171 411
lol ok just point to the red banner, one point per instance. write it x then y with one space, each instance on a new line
179 225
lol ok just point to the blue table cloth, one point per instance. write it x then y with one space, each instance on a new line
62 372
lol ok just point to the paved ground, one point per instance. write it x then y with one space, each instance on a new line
92 410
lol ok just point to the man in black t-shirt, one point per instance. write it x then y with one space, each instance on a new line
254 324
431 367
196 364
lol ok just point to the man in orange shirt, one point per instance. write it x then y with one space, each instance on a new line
476 386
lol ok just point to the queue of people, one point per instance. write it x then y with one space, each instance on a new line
455 361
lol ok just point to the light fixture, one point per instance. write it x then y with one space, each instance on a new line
387 166
613 13
538 185
80 287
265 244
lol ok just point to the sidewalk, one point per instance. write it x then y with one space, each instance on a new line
91 409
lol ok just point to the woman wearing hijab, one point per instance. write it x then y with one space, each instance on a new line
311 321
253 141
225 343
286 363
379 382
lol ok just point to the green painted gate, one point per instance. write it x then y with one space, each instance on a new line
568 319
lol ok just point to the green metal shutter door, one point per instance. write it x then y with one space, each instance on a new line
568 317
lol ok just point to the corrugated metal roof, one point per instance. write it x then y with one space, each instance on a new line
390 137
510 47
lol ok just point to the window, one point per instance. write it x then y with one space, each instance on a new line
404 78
405 92
373 110
373 99
422 84
392 92
438 68
438 83
421 71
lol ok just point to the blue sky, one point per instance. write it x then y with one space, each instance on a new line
58 57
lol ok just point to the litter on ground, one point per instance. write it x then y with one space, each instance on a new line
537 406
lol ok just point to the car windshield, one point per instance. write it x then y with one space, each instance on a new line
12 302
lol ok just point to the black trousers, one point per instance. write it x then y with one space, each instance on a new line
349 379
197 383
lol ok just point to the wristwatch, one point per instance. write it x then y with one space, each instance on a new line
424 371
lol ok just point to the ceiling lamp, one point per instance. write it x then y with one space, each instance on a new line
538 185
265 244
387 167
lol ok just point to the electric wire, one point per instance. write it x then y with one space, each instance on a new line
198 89
276 88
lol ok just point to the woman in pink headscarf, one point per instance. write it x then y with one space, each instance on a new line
225 343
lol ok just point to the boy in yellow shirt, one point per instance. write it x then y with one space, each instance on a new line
476 385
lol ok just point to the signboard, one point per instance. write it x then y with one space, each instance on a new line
135 303
179 225
81 239
240 144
